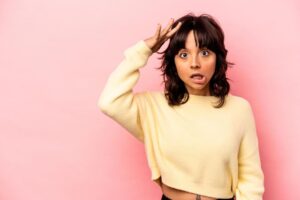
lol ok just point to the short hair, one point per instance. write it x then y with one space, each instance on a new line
209 34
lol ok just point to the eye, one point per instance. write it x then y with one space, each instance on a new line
182 55
206 53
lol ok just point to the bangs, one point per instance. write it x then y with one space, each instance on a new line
204 33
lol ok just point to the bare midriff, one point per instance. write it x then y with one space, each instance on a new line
176 194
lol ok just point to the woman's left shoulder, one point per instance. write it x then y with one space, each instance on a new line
238 100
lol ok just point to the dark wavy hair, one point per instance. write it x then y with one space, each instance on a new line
210 35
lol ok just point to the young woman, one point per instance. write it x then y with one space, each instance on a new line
200 140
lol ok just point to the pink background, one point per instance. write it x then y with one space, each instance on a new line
55 57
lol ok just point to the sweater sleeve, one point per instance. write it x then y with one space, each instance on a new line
117 99
250 175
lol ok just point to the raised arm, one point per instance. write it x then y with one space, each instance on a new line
117 99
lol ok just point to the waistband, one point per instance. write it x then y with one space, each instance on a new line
164 197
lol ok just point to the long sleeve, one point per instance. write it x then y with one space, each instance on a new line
250 175
117 99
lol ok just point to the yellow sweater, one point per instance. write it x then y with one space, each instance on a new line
192 147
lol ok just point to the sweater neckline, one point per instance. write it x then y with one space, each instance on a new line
194 96
202 97
195 99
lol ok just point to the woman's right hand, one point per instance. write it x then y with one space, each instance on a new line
160 37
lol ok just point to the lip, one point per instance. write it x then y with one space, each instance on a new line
198 81
196 74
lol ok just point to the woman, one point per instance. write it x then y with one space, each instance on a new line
200 140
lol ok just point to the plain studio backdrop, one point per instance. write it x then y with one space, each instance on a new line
55 57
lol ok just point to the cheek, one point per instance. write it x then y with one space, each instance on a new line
212 66
181 72
179 67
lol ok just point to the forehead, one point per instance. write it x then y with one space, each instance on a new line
192 42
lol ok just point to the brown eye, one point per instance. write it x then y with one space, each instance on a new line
182 55
206 53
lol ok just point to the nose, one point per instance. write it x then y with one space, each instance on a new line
195 62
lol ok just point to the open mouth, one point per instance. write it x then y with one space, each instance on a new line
198 78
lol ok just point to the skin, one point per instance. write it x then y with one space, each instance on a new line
195 61
191 60
160 37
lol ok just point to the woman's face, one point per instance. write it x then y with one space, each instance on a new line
192 60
